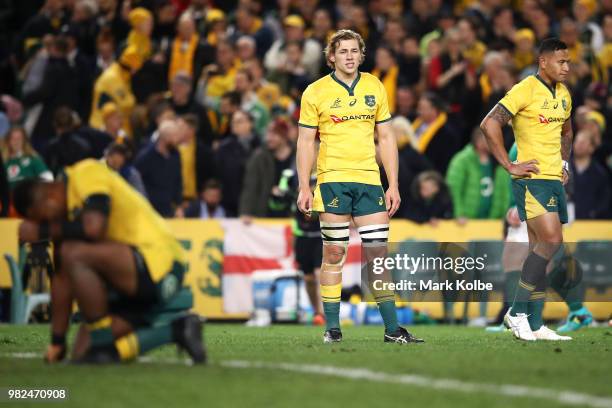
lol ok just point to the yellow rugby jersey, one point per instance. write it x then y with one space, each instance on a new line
346 117
538 113
132 220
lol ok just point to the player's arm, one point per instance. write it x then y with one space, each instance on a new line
90 226
567 137
305 157
492 126
389 157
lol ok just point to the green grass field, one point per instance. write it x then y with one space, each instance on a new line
288 366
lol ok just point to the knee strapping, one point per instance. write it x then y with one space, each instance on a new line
374 235
335 234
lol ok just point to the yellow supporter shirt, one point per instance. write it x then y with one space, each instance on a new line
346 117
538 113
132 220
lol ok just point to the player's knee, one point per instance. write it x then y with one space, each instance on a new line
334 255
71 253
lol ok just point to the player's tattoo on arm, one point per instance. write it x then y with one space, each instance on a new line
500 114
567 136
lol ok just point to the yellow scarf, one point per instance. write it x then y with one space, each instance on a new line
141 42
431 131
485 86
390 84
181 59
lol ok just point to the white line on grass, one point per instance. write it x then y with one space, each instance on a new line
447 384
506 390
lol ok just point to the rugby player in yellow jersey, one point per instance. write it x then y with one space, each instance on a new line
346 107
111 242
540 109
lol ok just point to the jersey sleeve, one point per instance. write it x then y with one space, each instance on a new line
568 111
309 115
383 114
517 98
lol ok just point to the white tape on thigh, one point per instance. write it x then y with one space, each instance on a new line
374 234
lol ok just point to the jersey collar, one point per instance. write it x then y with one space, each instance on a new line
551 89
351 89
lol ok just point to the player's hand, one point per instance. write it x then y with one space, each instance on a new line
304 201
512 217
55 353
566 177
393 200
524 169
28 231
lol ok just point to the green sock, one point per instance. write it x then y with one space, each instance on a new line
100 332
534 269
332 315
534 310
573 306
143 340
565 279
389 315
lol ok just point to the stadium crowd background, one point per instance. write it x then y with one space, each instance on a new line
196 102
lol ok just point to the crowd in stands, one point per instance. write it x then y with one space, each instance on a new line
195 102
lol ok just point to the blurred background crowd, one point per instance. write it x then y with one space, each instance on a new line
195 102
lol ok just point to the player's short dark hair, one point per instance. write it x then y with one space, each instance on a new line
551 45
23 195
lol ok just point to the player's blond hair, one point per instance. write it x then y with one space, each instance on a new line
334 42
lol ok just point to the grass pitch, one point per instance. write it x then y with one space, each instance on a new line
288 366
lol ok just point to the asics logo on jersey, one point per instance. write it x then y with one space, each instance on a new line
336 104
550 119
552 202
337 119
334 203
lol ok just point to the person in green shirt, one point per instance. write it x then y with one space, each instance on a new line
20 160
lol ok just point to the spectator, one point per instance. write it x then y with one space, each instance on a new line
246 49
81 63
231 158
117 157
187 52
20 159
113 123
591 183
524 52
182 103
387 70
208 205
276 57
406 103
247 23
217 79
263 172
291 77
473 50
429 200
139 37
48 20
56 89
220 119
414 162
479 187
114 85
105 52
159 165
197 159
435 138
250 102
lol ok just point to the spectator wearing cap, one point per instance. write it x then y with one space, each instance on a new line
159 165
141 21
591 184
387 70
293 30
56 89
247 23
435 137
187 52
524 55
231 157
208 205
263 173
181 100
117 157
114 85
113 123
216 29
